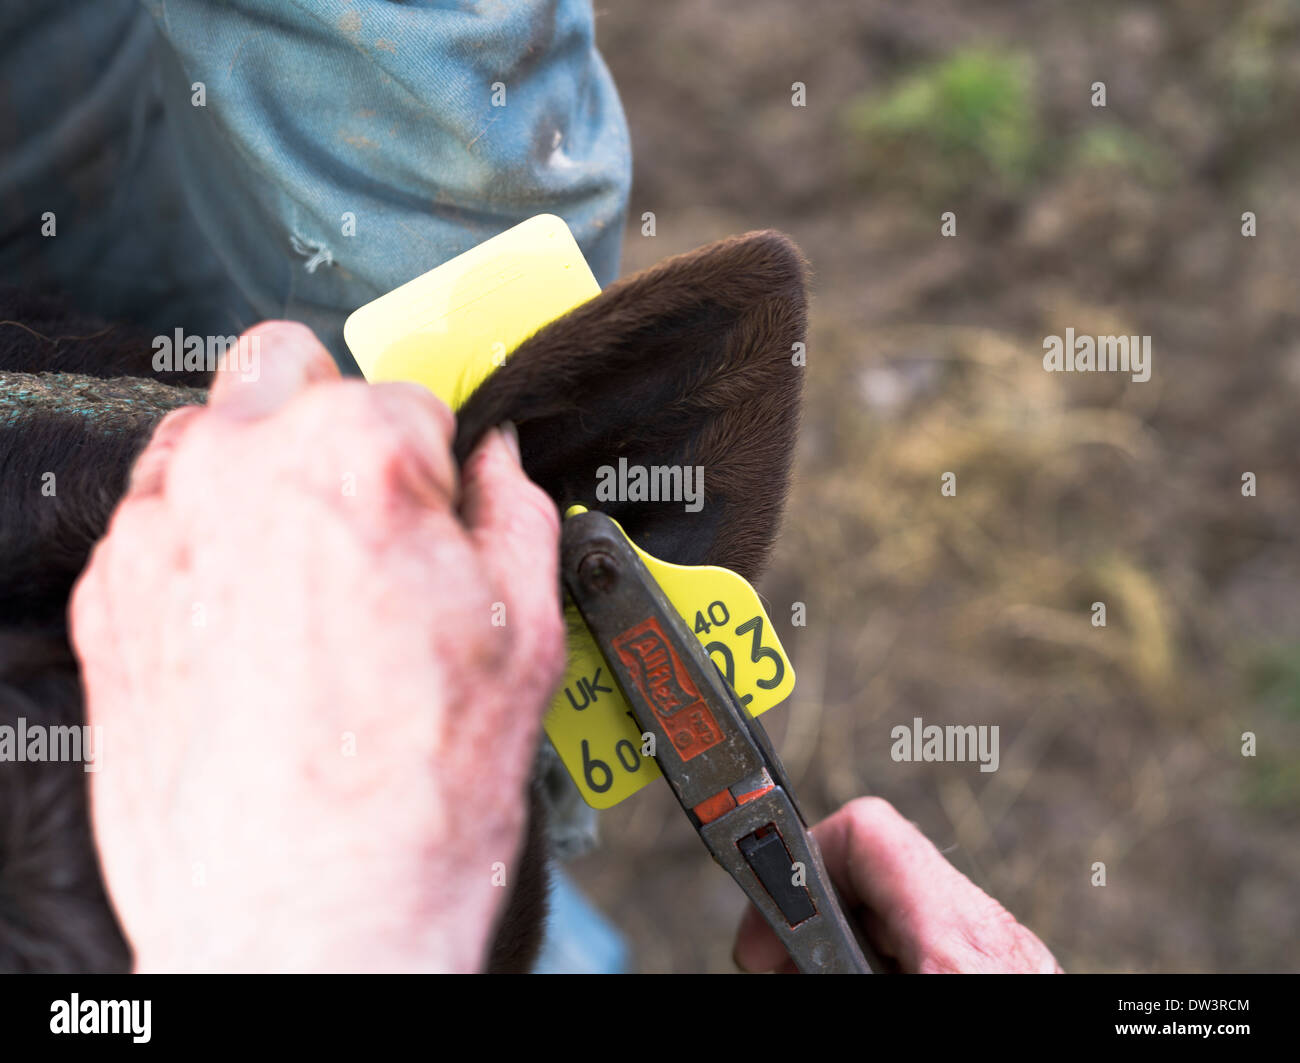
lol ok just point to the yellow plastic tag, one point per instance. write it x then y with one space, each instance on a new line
590 722
451 327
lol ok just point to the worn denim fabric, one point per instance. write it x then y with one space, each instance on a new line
579 940
213 217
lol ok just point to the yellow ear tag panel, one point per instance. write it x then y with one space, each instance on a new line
590 722
451 327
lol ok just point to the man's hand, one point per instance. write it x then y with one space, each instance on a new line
320 660
918 910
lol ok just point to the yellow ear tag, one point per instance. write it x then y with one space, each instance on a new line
590 722
451 327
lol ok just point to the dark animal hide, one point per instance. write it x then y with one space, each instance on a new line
688 363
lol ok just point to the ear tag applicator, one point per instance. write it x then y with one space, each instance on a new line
450 329
591 724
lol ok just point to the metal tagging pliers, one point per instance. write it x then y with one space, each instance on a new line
716 757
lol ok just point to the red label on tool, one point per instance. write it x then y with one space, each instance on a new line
664 682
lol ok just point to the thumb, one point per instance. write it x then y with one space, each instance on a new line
273 362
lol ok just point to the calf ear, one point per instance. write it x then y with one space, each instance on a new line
689 363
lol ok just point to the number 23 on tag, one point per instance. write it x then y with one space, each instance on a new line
590 722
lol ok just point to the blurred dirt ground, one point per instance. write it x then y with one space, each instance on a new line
1121 744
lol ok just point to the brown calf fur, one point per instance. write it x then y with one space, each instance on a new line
687 363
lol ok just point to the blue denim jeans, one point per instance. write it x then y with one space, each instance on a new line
206 165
